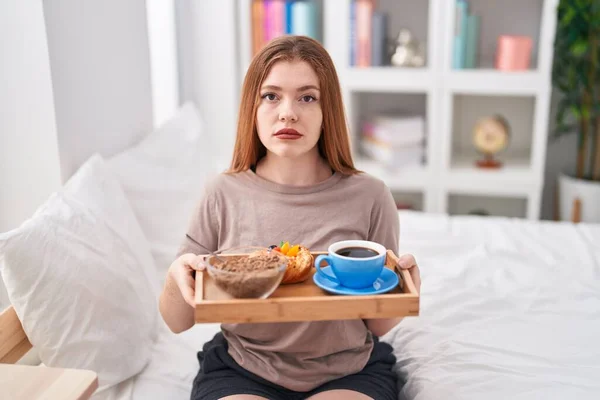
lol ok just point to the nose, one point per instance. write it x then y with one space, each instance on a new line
287 112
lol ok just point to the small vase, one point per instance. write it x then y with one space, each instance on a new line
588 193
513 53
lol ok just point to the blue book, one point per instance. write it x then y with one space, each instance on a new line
460 34
288 17
304 18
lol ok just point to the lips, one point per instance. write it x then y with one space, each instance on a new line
288 133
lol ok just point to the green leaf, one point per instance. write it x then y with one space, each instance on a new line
579 48
576 65
585 112
567 17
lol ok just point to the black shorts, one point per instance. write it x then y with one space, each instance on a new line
221 376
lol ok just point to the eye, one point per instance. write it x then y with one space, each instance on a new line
308 98
269 96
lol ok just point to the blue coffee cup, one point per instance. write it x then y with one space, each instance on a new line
355 264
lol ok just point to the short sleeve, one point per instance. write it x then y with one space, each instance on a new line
385 225
202 227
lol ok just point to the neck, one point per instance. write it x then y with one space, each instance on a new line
308 169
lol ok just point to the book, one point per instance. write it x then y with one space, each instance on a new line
353 40
460 34
398 129
364 15
304 18
268 21
378 39
395 140
472 43
276 18
288 16
393 157
258 15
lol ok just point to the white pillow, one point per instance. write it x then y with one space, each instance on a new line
77 275
163 177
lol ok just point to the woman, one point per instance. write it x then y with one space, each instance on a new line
291 178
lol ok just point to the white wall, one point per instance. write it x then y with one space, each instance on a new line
29 166
208 65
101 75
162 43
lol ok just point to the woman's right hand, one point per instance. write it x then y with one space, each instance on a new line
182 271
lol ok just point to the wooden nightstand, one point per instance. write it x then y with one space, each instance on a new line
28 382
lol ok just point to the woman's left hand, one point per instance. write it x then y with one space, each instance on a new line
408 262
381 326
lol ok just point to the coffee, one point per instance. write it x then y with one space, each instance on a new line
357 252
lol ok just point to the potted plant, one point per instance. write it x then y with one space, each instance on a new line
576 76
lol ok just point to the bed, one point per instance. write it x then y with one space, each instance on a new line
509 308
503 313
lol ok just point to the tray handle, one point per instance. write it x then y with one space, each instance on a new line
199 292
408 286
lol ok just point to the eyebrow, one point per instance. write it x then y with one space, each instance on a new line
300 89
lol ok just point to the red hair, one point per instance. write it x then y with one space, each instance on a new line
334 143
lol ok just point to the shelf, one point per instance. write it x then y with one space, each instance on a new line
250 13
452 101
497 18
491 81
388 79
514 207
515 177
370 103
407 178
468 109
374 104
410 15
408 200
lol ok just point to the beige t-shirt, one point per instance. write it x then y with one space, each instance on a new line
244 209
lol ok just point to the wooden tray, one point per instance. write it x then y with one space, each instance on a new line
305 302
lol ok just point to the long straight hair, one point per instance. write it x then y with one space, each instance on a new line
333 144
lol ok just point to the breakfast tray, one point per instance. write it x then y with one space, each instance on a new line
305 301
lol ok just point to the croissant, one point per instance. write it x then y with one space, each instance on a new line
299 266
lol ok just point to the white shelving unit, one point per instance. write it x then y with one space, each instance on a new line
451 100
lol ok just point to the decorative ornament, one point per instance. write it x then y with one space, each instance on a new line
490 136
406 51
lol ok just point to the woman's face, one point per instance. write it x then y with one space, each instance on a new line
289 117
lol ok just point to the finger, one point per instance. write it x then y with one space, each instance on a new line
407 261
188 259
185 283
193 261
188 295
199 263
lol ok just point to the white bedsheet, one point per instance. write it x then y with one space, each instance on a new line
510 309
172 368
174 364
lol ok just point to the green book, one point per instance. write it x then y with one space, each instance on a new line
472 44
